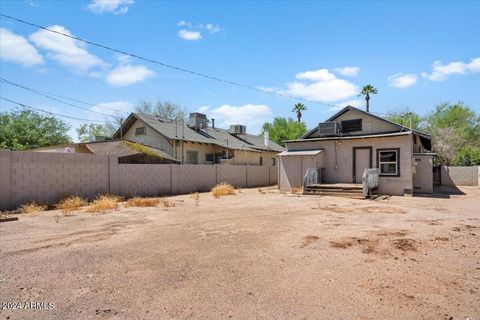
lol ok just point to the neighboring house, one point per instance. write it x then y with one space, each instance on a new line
198 143
127 151
353 140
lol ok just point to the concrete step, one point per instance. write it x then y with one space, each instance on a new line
338 190
335 194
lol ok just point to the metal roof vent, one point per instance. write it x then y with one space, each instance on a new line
237 129
198 120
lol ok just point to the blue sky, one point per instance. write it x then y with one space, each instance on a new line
417 54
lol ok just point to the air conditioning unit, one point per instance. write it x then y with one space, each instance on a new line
237 129
198 120
330 128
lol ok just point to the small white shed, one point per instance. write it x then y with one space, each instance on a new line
294 164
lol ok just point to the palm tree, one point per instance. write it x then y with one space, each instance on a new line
367 91
298 108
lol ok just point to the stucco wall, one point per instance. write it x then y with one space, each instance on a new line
341 172
49 177
423 174
460 176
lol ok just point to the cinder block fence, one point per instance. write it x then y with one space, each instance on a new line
49 177
460 176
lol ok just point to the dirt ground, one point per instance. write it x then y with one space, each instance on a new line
256 255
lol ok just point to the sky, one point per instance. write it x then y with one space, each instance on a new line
418 54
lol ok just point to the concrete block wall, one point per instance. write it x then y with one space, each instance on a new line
460 176
49 177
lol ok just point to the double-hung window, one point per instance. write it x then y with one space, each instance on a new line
389 162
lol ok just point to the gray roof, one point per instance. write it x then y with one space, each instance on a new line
124 148
217 136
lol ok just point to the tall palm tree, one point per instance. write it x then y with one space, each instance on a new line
367 91
298 108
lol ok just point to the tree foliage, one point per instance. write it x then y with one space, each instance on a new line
467 156
407 119
284 129
298 108
23 129
162 109
87 130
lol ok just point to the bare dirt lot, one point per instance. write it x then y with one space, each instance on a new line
252 255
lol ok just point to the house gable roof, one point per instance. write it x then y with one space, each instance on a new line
399 127
209 135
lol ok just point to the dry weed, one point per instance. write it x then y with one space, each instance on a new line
261 191
308 240
405 244
166 203
142 202
343 244
196 198
70 204
296 190
222 189
103 203
33 207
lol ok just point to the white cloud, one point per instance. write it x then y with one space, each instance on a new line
401 80
317 75
251 115
66 51
184 23
127 74
440 71
189 35
318 85
17 49
212 28
348 71
203 109
113 6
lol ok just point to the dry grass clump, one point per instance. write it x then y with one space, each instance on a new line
70 204
296 191
142 202
261 191
222 189
343 244
166 203
196 198
103 203
32 207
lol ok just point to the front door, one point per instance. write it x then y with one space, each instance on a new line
362 159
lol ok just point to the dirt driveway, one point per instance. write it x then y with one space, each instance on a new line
256 255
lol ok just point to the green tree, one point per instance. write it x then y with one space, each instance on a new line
407 119
467 156
23 129
368 90
162 109
298 108
87 130
284 129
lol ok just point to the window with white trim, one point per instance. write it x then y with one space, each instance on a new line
388 162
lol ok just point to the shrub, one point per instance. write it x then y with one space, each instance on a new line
70 204
142 202
196 198
166 203
32 207
295 190
222 189
103 203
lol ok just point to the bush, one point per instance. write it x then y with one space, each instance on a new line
222 189
142 202
32 207
70 204
103 203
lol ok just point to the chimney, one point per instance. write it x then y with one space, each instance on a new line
213 123
266 139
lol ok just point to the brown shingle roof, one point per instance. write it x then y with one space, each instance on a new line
123 148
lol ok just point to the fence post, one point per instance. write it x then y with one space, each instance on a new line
246 176
5 179
216 174
113 175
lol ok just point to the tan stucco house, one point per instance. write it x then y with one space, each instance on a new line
352 140
200 143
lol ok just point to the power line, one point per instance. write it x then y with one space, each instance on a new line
163 64
44 94
49 112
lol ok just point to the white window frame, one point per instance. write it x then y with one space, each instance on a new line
396 162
